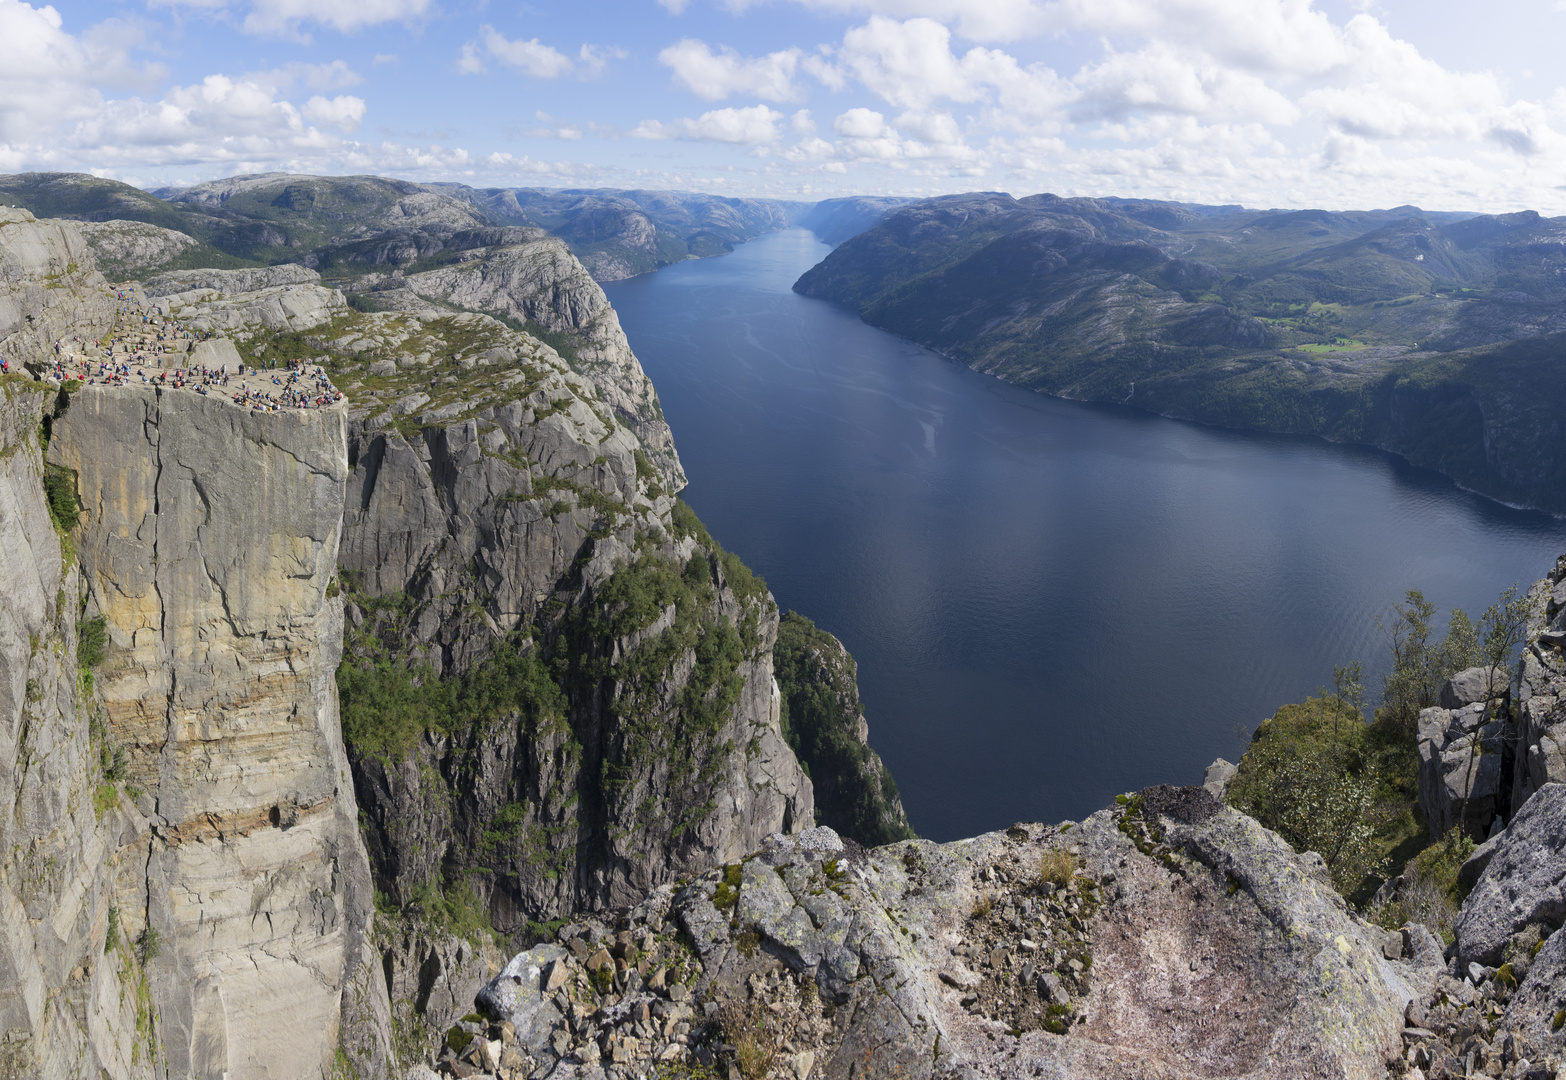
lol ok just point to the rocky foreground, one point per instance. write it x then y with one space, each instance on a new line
1170 937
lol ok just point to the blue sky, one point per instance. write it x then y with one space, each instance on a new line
1262 102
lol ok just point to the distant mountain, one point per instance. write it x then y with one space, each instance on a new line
835 220
619 234
352 225
1439 336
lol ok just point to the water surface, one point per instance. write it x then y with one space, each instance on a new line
1049 602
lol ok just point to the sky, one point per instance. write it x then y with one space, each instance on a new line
1267 103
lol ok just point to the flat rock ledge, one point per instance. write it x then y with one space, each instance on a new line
1168 937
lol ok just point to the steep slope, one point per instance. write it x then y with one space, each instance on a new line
556 689
209 538
530 278
826 727
1169 938
197 829
74 996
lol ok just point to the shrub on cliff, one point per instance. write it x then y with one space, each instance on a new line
60 490
1310 775
855 793
388 704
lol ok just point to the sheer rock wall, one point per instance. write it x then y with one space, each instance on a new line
209 535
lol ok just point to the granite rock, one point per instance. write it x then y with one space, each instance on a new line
208 538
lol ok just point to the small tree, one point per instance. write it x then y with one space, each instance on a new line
1348 688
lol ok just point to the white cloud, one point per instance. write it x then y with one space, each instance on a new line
284 18
977 20
910 64
675 7
753 126
717 75
342 112
1162 79
333 76
533 57
1286 36
46 75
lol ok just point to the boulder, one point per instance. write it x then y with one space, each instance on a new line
1460 754
517 995
1521 883
1219 774
1541 691
1475 684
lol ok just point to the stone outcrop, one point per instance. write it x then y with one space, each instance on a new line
130 249
1520 885
49 288
500 525
1171 937
855 793
1463 756
1541 690
541 283
1496 1011
236 302
208 539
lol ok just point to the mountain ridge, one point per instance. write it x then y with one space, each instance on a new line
1432 336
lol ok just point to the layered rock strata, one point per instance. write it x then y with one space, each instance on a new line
208 539
236 302
49 288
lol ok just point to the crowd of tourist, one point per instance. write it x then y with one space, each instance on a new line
154 353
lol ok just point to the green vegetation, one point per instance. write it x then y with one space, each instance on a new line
388 704
457 910
1308 776
855 793
92 641
92 647
727 893
60 491
1327 781
1430 893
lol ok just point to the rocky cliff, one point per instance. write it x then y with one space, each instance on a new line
1169 937
74 994
209 535
532 279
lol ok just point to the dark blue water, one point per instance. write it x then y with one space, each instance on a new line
1049 602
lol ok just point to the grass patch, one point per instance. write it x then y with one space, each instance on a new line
1057 866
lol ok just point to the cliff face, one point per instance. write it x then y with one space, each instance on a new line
508 541
73 997
49 288
825 724
557 692
208 539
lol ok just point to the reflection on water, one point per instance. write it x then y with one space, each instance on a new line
1050 602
